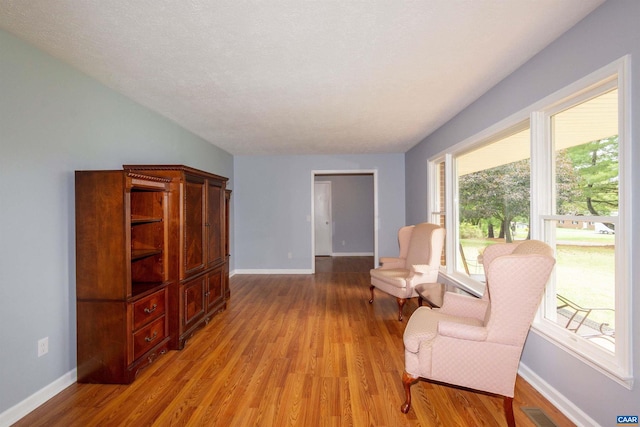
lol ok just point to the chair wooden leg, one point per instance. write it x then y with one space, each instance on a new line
371 289
401 302
407 380
508 411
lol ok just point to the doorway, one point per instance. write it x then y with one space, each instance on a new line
344 206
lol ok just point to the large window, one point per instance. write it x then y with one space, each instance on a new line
554 172
493 183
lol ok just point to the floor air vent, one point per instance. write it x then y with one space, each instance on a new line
539 418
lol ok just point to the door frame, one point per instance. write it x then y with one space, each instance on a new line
372 172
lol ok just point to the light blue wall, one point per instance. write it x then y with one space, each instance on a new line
609 33
273 206
54 120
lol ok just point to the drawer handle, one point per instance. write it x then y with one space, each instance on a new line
151 310
151 338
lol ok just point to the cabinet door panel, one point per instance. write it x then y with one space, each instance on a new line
193 301
215 223
215 291
194 220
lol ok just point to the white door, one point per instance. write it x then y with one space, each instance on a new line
322 218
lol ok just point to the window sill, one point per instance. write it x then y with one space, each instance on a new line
599 359
466 283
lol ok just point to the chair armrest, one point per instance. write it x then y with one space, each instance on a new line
464 306
392 262
422 273
462 331
422 269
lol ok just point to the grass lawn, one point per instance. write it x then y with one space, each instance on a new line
586 276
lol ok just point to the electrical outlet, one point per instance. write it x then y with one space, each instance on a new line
43 346
290 255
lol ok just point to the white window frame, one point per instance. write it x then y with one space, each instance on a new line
616 366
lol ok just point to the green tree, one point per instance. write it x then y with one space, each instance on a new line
586 183
501 193
569 190
596 164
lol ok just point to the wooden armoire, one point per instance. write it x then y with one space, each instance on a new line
198 246
152 255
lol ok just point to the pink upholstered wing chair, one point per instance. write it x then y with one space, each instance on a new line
477 342
418 262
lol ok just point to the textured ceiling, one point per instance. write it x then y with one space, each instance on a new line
297 76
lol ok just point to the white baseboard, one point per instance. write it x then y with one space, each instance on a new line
272 271
21 409
568 408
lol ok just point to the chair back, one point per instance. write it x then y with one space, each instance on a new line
404 237
425 245
515 283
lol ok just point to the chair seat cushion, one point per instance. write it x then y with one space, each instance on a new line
423 326
391 276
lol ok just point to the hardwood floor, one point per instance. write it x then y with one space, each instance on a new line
305 350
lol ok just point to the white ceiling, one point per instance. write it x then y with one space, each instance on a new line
298 76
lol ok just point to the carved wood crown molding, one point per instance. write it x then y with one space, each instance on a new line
181 168
148 177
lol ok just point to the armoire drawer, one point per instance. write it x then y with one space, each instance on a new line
147 337
149 308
